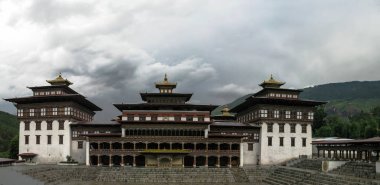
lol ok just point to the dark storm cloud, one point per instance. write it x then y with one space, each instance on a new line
218 50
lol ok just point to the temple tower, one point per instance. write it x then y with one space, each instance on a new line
45 119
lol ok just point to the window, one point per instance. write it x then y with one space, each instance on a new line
250 146
80 144
31 112
292 128
49 125
287 114
48 93
269 141
263 113
60 139
49 139
256 136
177 118
276 114
68 111
310 115
304 128
75 133
20 112
27 125
142 118
270 127
281 141
201 118
26 139
38 139
303 142
55 111
38 125
61 125
43 112
189 118
130 117
292 141
154 117
299 115
281 127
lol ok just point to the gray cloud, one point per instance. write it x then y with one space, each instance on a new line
220 50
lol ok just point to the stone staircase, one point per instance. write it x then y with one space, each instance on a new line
287 176
59 174
239 175
309 164
257 174
296 176
357 169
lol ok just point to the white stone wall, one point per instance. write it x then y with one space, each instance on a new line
78 154
46 153
276 154
249 157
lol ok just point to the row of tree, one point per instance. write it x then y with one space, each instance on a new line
362 125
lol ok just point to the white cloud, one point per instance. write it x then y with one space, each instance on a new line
112 50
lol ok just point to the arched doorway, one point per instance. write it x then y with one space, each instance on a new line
165 146
128 146
235 161
128 160
224 160
152 146
188 161
200 161
94 160
105 160
140 160
212 161
140 146
177 146
212 146
116 160
116 146
189 146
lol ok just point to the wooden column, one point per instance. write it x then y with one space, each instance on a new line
230 161
110 161
122 160
195 161
99 160
218 161
134 160
206 161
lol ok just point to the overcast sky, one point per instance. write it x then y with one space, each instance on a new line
219 50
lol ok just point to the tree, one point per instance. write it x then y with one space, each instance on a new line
319 118
13 148
324 131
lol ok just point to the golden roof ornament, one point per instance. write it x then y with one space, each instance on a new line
165 85
59 80
271 83
226 111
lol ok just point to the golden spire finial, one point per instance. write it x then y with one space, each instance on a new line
166 77
271 76
226 111
59 80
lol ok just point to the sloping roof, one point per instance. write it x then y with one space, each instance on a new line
61 98
258 100
144 96
349 141
160 106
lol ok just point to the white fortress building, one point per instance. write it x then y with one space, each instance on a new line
269 127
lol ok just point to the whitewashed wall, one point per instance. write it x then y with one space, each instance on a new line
276 154
46 154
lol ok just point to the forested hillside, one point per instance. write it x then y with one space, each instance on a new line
8 130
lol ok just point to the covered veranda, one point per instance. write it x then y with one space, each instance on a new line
361 149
